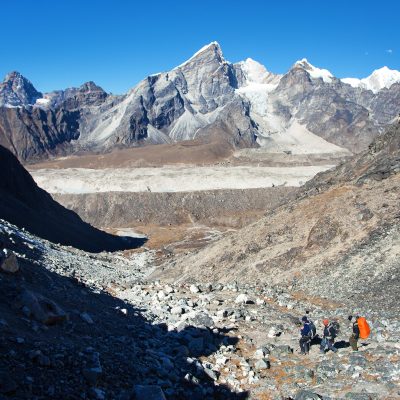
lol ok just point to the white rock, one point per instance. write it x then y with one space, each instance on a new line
272 332
169 289
177 310
194 289
161 295
242 299
221 360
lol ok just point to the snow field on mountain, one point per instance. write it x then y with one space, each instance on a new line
171 179
381 78
299 140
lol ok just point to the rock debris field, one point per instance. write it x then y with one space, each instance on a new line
75 325
171 179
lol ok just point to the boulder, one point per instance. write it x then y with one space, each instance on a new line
202 319
307 395
242 299
262 364
177 310
10 264
194 289
42 309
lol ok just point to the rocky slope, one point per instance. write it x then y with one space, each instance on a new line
77 325
23 203
338 239
227 207
307 110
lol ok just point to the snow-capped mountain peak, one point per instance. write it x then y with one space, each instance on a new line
314 72
379 79
212 50
254 71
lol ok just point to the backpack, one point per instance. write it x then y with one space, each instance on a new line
306 331
364 328
335 328
313 329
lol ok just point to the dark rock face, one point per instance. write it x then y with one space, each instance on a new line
35 132
17 91
88 94
24 204
31 133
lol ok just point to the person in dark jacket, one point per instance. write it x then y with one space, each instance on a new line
305 336
355 335
328 338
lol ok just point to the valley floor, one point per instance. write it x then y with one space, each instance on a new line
171 179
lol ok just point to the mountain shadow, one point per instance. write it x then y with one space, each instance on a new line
104 348
26 205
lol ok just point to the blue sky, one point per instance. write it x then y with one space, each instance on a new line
62 43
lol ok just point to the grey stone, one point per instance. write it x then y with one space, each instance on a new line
210 373
43 309
262 364
281 350
87 318
10 264
307 395
361 396
202 319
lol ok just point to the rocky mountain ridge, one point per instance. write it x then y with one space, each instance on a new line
305 110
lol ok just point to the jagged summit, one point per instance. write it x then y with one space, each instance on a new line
254 71
207 52
314 72
90 86
379 79
17 91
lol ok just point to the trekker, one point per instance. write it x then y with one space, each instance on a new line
312 326
356 333
329 335
306 336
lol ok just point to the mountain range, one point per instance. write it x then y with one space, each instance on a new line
307 110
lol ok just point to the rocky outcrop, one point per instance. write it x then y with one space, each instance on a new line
23 203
